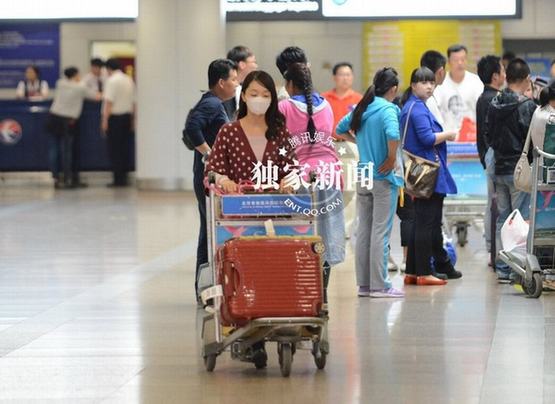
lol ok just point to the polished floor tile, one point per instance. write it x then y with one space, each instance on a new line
97 305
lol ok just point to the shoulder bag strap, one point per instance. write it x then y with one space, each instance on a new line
528 138
406 126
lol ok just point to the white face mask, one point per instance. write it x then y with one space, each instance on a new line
258 105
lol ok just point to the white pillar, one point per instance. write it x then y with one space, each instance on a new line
176 40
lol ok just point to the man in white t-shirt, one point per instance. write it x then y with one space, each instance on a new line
458 94
118 120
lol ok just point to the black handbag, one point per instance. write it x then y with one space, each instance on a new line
185 136
420 173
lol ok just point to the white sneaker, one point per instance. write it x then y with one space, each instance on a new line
387 293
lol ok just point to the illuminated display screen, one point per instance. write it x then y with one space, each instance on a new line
419 9
69 9
253 10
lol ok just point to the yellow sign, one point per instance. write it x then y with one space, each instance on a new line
400 44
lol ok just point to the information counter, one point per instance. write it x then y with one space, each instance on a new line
25 144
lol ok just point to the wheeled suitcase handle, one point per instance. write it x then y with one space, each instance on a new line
233 278
236 276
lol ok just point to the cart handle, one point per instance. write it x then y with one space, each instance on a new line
211 176
244 185
247 185
540 152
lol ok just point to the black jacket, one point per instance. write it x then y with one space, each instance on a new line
203 124
509 117
482 106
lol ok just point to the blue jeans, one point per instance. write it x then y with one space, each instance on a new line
331 225
508 199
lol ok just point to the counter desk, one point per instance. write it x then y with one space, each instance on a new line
24 142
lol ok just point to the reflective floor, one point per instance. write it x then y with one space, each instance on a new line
97 305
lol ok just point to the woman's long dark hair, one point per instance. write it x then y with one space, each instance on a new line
384 80
420 75
273 117
299 75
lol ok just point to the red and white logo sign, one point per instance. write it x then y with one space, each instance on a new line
10 132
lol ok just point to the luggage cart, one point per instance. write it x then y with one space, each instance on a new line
230 216
468 206
538 261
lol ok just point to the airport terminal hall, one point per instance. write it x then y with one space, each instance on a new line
277 201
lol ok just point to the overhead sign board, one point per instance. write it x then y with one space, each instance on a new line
69 10
254 10
257 10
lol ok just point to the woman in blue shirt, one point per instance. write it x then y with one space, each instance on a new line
375 124
425 138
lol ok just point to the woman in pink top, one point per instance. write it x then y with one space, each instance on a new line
309 120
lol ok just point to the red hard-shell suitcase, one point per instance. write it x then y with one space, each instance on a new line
270 277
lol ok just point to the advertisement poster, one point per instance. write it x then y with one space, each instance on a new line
400 44
22 45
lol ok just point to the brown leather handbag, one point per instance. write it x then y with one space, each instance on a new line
420 173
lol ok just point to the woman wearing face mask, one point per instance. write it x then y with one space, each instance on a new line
425 138
257 136
375 124
310 121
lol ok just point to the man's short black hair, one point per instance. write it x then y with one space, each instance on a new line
552 62
290 55
487 66
517 70
113 64
70 72
340 65
239 54
219 69
97 62
508 55
456 48
433 60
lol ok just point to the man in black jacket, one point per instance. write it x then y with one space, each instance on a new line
509 116
492 73
202 126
